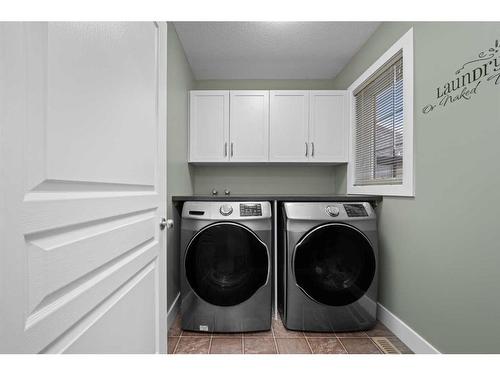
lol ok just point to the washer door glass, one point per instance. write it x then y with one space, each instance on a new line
334 264
226 264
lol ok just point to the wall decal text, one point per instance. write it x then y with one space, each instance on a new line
469 77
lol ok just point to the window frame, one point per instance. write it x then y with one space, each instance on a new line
407 188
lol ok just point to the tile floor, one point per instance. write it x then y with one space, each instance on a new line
279 340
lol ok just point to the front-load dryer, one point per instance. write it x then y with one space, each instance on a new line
226 263
327 264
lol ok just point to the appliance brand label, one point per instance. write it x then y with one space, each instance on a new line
469 77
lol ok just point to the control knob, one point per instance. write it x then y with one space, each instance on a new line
226 210
332 210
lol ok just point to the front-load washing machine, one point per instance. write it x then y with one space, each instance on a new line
226 263
327 266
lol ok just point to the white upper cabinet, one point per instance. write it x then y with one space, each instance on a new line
285 126
249 126
289 123
209 126
328 126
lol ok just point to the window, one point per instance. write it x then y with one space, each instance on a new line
379 126
382 125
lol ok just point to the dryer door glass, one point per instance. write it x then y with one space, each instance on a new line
226 264
334 264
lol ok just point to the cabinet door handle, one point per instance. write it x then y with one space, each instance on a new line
312 148
225 148
232 148
307 149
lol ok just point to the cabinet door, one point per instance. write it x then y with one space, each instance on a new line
249 126
328 127
289 118
209 126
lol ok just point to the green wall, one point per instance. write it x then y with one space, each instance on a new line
266 179
179 174
440 251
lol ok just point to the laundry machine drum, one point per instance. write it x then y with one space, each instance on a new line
334 264
226 263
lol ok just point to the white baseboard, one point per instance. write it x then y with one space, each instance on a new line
173 310
404 332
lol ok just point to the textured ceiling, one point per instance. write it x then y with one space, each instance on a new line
271 50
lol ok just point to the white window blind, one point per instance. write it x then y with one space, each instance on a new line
379 126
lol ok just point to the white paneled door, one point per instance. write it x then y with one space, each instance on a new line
83 145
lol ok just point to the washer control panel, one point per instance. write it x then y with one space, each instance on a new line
355 210
250 209
226 209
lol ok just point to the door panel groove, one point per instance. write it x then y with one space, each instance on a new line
88 228
47 196
78 328
60 297
49 185
57 261
58 213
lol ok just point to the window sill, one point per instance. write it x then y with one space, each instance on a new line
384 190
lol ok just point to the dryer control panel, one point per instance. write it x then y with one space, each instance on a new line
250 209
355 210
